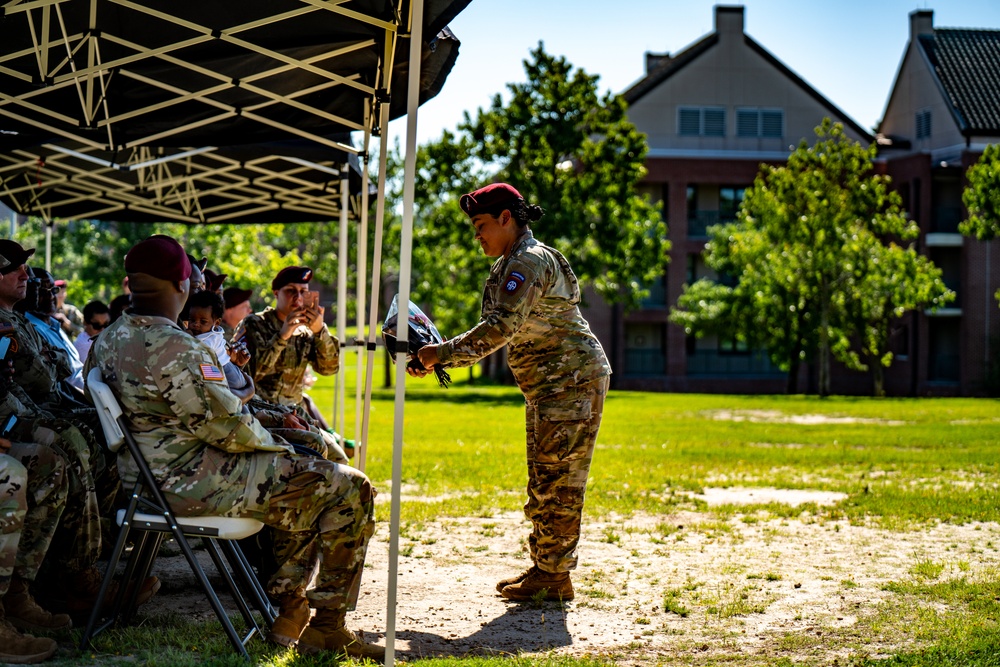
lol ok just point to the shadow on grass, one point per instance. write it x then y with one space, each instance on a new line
521 628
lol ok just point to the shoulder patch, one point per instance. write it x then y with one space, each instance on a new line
513 282
211 373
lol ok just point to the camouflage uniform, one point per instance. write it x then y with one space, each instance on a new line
37 366
278 367
530 304
212 459
75 318
36 399
77 543
32 497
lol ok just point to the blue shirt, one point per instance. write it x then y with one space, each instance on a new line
54 336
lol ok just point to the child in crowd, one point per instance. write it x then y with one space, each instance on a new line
204 322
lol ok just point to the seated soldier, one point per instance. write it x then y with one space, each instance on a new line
214 460
72 580
27 471
288 339
40 312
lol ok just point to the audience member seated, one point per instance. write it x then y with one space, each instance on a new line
41 314
69 316
96 317
237 307
215 460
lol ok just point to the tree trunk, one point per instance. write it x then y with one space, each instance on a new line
824 343
878 378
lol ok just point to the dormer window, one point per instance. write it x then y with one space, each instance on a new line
701 121
923 122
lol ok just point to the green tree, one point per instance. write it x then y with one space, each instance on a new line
803 259
575 153
982 197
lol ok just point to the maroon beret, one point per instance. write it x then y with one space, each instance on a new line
291 274
485 199
213 280
234 296
12 256
159 256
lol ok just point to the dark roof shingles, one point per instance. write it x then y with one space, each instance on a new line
967 65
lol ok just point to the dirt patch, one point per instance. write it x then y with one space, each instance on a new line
763 495
761 589
776 417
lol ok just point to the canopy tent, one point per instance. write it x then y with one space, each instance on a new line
182 110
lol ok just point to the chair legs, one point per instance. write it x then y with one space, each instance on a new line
229 561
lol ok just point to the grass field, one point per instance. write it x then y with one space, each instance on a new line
904 464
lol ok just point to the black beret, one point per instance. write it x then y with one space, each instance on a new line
488 198
291 274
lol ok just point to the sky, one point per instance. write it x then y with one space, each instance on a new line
848 50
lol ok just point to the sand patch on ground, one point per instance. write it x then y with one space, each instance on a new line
763 495
777 417
763 589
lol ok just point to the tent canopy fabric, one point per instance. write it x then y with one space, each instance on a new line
196 111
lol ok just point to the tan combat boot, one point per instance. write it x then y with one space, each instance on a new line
327 632
541 585
22 649
293 616
25 614
504 583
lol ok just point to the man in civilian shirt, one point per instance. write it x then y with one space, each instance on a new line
49 327
96 317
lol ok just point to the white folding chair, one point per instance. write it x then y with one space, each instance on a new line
149 527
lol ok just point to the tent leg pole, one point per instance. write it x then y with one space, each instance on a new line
405 257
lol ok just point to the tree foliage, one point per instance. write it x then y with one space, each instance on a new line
982 197
575 153
814 272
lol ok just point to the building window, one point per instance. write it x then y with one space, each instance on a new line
730 199
645 349
701 121
760 123
923 123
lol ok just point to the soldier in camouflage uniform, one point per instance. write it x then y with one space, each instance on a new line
32 496
530 304
70 579
212 459
284 340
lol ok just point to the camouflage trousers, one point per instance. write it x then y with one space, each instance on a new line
77 544
322 515
561 433
33 492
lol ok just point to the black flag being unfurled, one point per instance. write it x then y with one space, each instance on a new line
422 332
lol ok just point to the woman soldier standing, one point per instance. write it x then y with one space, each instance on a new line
530 304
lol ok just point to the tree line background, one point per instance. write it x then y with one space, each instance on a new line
819 265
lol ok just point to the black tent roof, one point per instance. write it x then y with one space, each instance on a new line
200 111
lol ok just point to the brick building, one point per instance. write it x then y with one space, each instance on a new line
712 113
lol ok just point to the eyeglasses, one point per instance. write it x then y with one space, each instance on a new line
98 325
43 290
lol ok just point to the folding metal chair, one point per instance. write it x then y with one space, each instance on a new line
156 522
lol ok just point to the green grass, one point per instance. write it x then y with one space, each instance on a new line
906 464
914 461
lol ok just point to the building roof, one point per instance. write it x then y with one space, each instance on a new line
966 64
671 66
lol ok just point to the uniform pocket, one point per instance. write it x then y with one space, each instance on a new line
560 429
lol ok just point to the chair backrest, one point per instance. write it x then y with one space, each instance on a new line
108 409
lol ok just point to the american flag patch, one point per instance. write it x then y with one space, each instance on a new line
211 373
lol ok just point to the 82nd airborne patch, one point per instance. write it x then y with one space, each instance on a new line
513 282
